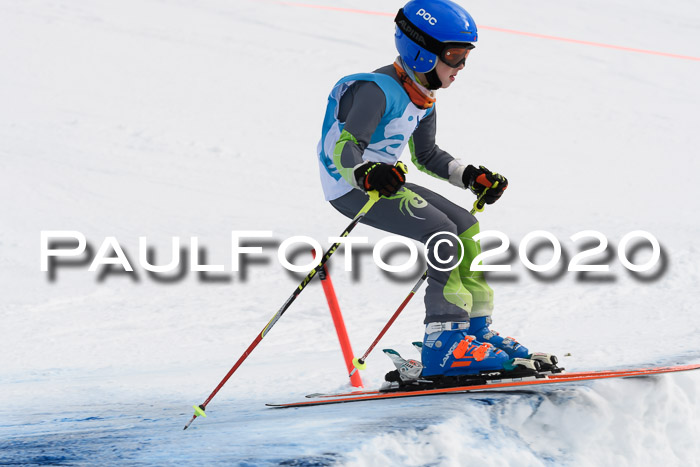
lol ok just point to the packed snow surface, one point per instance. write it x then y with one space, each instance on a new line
175 118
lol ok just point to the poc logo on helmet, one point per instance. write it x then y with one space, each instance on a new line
427 16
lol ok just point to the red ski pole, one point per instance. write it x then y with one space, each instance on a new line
359 363
199 409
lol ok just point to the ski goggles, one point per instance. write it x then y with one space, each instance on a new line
454 55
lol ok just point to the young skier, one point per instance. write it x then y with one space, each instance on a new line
369 120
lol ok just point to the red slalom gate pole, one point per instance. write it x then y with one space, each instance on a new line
339 322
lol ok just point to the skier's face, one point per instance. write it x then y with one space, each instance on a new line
446 73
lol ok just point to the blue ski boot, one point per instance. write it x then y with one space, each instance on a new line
479 327
520 355
450 351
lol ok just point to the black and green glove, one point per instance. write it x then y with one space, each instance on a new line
385 178
478 180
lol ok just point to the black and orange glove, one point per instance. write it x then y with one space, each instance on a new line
385 178
478 180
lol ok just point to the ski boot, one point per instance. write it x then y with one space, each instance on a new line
479 327
448 350
458 359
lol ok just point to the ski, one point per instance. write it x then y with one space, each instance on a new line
502 384
597 374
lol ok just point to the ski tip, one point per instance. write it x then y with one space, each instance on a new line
277 406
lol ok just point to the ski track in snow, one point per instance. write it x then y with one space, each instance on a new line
116 124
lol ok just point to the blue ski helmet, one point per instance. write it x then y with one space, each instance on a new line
423 27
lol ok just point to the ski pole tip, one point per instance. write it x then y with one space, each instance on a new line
359 364
187 425
199 411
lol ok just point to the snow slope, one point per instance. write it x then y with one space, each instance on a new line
169 118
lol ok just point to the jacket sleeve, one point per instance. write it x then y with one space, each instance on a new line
361 109
429 158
